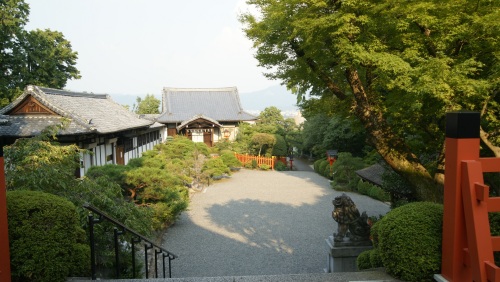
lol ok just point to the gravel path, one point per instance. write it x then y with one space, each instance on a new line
258 223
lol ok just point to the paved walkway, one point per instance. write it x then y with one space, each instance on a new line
259 223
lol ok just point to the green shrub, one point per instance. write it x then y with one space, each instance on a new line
363 260
264 167
373 191
369 259
375 259
280 166
230 159
215 167
327 171
46 240
322 166
344 171
254 164
400 189
408 240
116 173
316 165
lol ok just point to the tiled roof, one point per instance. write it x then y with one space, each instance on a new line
186 122
87 113
372 174
220 104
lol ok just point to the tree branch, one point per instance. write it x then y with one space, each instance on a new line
330 84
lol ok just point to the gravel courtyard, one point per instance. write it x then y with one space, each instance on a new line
258 223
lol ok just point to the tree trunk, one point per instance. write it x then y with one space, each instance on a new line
390 147
484 137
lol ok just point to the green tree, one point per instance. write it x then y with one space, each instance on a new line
13 18
41 163
398 66
345 135
262 140
271 115
40 57
280 148
148 105
313 135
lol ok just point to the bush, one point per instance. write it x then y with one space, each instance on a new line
215 167
254 164
408 240
280 166
46 240
369 259
373 191
399 188
230 159
363 260
322 166
264 167
344 171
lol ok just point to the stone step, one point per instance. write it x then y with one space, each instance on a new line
372 275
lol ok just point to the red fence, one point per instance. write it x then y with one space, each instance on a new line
244 159
467 250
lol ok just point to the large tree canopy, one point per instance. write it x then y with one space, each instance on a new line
41 57
398 66
148 105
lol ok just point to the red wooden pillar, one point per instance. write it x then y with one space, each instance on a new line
462 143
4 228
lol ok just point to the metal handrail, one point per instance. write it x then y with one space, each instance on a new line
136 239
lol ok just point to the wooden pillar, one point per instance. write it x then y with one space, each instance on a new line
462 143
4 227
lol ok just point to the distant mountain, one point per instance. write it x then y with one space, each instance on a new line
130 100
253 102
277 96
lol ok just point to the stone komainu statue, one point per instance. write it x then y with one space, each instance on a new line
349 220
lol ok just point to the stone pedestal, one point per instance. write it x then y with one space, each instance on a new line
342 255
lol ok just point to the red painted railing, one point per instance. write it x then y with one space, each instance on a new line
244 159
467 252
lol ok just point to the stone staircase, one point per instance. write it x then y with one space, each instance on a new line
372 275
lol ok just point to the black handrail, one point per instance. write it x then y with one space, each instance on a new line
136 238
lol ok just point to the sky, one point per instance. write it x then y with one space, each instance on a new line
138 47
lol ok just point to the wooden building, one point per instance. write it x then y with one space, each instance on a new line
109 131
203 114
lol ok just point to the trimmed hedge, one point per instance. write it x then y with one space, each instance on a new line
369 259
46 240
408 240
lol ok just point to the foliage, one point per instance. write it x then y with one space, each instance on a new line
148 105
46 240
314 134
280 166
271 116
230 159
115 173
264 167
369 259
344 171
41 57
263 141
322 167
345 135
40 163
215 167
254 164
399 189
279 148
402 255
372 191
398 67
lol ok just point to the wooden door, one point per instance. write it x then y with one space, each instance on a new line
207 138
120 155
